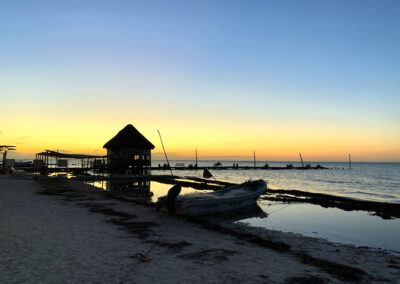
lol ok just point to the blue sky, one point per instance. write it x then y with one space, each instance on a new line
320 63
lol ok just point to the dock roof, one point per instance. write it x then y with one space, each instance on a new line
55 154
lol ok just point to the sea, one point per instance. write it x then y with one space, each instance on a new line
365 181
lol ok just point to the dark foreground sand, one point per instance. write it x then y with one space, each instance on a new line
68 236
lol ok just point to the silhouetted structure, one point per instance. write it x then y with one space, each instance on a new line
5 149
59 161
129 150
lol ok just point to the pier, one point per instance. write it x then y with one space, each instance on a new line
55 168
50 161
288 167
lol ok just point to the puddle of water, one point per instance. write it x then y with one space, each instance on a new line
153 189
350 227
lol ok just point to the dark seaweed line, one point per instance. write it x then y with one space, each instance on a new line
382 209
342 272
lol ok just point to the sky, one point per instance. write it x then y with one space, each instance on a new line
225 77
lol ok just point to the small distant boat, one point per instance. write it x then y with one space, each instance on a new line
197 204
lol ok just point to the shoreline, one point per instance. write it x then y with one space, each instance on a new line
180 249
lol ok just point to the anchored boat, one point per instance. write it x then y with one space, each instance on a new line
196 204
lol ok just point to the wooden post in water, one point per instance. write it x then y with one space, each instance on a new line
254 155
349 161
301 159
165 153
196 158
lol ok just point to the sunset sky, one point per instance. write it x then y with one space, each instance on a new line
228 77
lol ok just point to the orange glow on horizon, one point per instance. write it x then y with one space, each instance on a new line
275 142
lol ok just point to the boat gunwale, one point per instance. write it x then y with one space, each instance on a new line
220 199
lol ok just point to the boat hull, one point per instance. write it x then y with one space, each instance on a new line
223 201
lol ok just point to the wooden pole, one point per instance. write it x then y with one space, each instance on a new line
196 158
301 159
254 156
349 161
165 153
4 161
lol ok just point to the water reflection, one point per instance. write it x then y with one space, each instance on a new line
139 188
248 212
356 227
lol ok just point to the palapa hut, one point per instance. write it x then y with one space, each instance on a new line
129 149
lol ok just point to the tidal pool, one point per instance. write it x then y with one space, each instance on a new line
336 225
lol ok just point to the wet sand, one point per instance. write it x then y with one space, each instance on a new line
63 234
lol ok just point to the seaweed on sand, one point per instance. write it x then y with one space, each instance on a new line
340 271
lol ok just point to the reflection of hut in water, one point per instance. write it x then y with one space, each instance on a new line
135 186
135 190
129 150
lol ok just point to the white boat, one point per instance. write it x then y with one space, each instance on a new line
229 199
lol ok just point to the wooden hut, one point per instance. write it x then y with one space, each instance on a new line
129 149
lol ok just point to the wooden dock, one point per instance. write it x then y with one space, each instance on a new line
81 170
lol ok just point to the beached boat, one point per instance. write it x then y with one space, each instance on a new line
229 199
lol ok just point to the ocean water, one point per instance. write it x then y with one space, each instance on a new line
366 181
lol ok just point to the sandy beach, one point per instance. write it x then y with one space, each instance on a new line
53 233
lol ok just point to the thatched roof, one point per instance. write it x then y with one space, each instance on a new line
129 137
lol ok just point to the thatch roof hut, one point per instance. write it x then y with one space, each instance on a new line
129 149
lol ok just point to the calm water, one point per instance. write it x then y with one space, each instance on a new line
349 227
369 181
152 190
373 181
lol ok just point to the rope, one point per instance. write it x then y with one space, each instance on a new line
279 209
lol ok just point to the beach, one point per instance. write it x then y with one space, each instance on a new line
52 233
